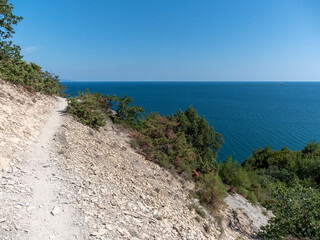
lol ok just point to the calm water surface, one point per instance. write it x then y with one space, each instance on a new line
248 114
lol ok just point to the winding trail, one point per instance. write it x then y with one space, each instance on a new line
48 190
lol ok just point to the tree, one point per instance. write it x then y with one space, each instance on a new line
127 113
312 148
7 21
205 141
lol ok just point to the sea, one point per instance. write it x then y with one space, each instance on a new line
249 115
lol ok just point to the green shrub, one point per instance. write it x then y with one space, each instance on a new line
251 196
297 213
286 165
89 108
134 143
244 182
211 190
160 144
198 210
204 140
311 148
31 76
126 113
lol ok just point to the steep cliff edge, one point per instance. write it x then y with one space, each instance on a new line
85 184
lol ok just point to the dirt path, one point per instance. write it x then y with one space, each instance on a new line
39 205
50 220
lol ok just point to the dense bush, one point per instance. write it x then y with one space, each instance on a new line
211 190
205 142
31 76
236 177
297 213
89 108
286 165
294 197
161 144
126 113
186 144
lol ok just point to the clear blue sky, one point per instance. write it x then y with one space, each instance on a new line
224 40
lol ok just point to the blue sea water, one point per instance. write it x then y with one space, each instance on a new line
249 115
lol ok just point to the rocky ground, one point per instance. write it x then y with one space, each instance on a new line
22 115
72 182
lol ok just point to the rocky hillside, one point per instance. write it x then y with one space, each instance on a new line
124 196
22 115
98 185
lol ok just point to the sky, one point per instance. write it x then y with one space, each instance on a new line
172 40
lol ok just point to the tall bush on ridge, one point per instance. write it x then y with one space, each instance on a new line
127 113
89 108
206 143
160 144
30 75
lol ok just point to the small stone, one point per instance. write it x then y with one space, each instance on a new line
133 233
100 206
30 208
109 227
102 231
94 234
55 210
206 227
131 214
2 220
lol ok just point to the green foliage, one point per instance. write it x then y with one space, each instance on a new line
206 143
8 50
160 144
92 109
294 195
297 213
12 68
31 76
126 113
286 165
188 148
211 190
251 196
312 148
243 181
8 20
197 209
89 108
219 219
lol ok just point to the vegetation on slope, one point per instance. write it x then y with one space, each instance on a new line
185 143
292 180
89 108
285 181
15 70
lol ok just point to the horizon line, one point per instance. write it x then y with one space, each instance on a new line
265 81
